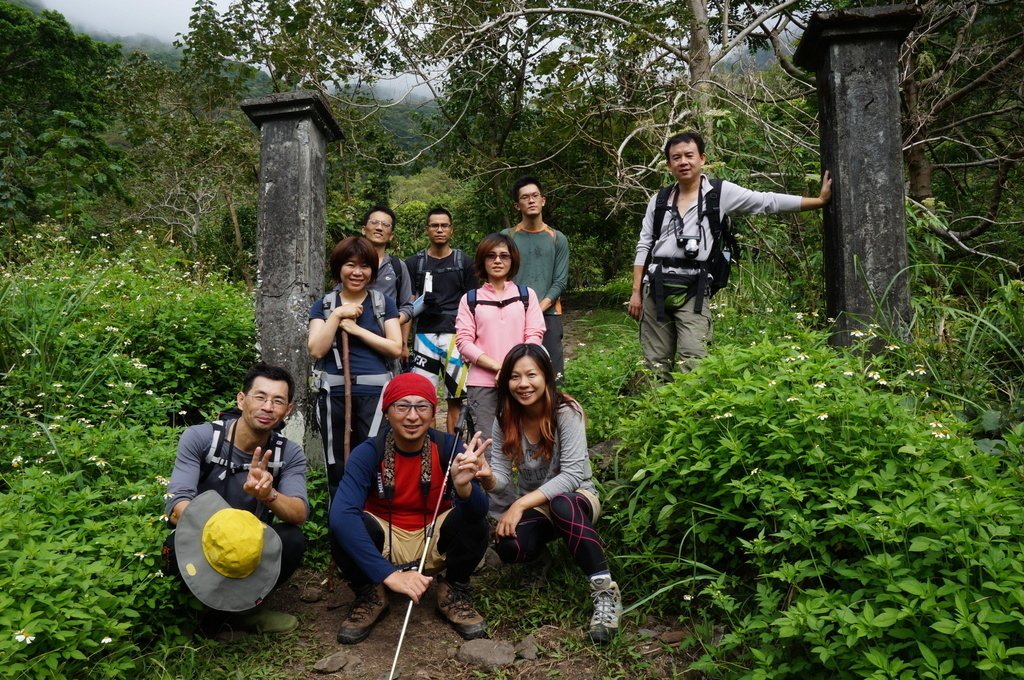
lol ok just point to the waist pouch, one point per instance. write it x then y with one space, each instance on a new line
678 289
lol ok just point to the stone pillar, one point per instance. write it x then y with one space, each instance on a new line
855 55
295 128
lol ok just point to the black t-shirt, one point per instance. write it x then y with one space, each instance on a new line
448 284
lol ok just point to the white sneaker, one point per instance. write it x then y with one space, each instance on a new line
604 624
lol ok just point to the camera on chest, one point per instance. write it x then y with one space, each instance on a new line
687 240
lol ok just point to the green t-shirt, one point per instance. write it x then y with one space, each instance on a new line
543 262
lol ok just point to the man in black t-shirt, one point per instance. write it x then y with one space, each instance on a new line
441 275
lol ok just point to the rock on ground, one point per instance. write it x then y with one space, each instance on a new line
488 654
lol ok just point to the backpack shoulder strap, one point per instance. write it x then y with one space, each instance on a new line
660 208
712 208
213 456
460 264
400 273
438 439
277 443
330 301
524 295
379 307
420 274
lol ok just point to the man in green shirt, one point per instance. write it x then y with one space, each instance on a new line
544 262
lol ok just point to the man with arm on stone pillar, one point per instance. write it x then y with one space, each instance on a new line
544 263
676 327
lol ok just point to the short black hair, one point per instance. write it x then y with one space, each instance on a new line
438 210
357 249
380 208
691 136
270 372
523 181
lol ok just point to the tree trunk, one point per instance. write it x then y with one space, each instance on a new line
700 66
919 167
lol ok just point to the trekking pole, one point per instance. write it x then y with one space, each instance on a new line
347 446
429 535
347 440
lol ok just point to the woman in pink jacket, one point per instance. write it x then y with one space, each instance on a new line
492 320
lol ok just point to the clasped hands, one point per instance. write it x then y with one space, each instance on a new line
347 314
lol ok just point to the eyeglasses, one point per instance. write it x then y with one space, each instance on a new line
439 225
403 407
261 399
379 223
491 257
535 196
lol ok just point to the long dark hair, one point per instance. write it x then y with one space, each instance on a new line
511 414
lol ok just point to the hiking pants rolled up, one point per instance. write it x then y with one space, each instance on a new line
553 344
676 343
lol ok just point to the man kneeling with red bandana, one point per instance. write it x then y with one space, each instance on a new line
385 503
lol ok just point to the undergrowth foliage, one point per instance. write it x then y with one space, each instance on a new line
792 492
98 353
82 593
104 336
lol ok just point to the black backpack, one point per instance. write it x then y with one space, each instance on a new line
714 272
420 274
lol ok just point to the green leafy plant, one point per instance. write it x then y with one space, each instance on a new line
101 337
82 592
792 491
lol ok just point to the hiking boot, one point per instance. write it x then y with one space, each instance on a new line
369 607
455 605
261 620
604 624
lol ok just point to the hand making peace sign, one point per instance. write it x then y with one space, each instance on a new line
259 482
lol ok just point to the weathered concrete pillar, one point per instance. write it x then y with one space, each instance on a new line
855 55
295 128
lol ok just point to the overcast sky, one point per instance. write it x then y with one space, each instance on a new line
159 18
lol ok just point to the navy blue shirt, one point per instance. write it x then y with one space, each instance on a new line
362 359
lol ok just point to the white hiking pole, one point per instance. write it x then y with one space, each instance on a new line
429 535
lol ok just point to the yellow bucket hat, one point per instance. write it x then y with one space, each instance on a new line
228 558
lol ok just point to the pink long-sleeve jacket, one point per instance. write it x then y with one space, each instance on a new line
495 330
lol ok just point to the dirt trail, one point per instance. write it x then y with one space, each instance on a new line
431 645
